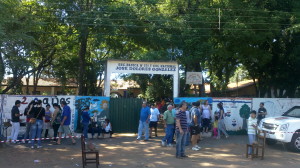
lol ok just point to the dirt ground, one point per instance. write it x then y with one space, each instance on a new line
123 151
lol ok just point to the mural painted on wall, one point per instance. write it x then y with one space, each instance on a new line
236 112
275 106
9 101
190 100
99 109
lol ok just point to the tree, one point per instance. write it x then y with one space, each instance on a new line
245 113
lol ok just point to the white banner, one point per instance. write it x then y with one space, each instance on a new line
194 78
137 67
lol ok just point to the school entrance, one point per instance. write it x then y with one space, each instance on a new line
124 114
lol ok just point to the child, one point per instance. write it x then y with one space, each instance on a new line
215 127
252 125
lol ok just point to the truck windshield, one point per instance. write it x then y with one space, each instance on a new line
293 113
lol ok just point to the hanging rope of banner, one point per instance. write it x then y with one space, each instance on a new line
36 139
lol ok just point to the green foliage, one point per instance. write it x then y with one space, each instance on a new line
70 40
245 111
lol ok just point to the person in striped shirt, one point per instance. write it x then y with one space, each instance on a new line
252 125
181 131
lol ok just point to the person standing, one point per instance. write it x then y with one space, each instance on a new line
144 122
154 117
169 121
262 112
189 123
28 124
56 119
85 120
36 128
252 125
195 125
206 116
221 124
215 127
48 116
15 119
65 123
181 131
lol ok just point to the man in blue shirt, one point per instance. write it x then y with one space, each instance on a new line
144 122
65 123
85 120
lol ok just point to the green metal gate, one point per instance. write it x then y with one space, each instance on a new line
124 114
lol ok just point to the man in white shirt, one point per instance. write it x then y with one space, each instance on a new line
154 117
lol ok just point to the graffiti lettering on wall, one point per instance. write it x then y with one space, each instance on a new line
99 109
9 102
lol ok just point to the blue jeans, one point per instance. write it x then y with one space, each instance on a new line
180 143
251 140
169 133
221 128
27 133
188 137
36 131
85 129
143 126
97 130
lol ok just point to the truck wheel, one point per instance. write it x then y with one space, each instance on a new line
294 145
270 141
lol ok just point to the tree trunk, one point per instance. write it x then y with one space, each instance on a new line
27 85
82 62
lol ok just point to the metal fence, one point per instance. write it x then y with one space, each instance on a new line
124 114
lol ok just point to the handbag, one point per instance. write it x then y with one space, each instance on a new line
33 120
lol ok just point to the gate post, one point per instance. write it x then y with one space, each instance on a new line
107 81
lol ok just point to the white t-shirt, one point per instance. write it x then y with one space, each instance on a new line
188 117
108 128
206 111
251 129
154 114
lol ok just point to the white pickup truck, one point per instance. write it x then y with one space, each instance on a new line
285 128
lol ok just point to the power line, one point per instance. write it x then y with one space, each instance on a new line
131 12
165 27
161 20
145 34
170 5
